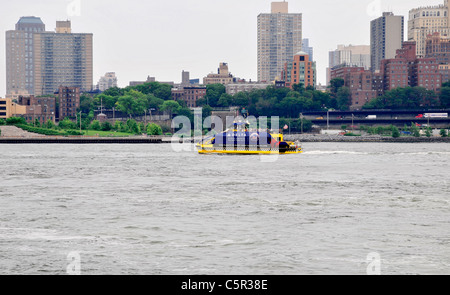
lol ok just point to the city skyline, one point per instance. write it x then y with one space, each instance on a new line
206 32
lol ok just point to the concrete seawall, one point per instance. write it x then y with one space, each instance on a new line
334 138
80 140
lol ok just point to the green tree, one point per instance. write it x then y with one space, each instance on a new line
299 87
154 129
95 125
336 84
67 124
154 102
395 132
241 99
444 96
133 126
443 133
125 104
49 125
225 100
213 94
415 130
171 106
86 103
163 91
114 91
133 103
106 126
344 98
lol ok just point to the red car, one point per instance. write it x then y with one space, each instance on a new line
419 116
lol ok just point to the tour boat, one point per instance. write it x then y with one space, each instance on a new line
245 141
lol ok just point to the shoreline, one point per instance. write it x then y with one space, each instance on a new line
373 139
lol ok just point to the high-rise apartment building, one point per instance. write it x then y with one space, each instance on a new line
385 38
20 56
62 58
424 21
299 70
349 56
279 38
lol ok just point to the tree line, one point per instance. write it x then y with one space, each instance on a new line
272 101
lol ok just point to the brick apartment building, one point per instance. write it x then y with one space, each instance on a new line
41 109
361 82
69 102
190 95
406 69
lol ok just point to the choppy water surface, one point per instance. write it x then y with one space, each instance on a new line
145 209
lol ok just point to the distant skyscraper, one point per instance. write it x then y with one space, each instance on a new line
20 57
185 77
62 59
279 38
308 49
385 38
425 21
223 76
109 80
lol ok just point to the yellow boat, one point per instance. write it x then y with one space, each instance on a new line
244 141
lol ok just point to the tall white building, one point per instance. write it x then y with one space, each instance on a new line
386 37
424 21
352 55
279 38
109 80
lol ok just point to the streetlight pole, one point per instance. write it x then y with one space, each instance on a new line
328 119
353 118
301 118
80 122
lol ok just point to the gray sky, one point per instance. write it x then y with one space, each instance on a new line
137 38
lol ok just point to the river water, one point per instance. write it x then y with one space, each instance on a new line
147 209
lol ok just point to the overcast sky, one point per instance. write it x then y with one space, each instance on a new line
137 38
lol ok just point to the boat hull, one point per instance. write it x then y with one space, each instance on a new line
245 150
